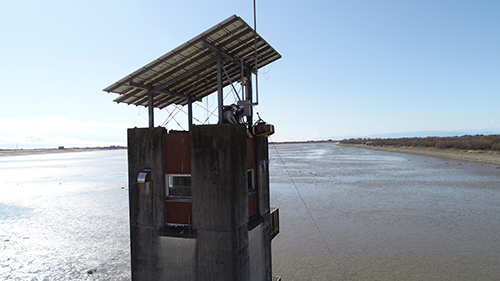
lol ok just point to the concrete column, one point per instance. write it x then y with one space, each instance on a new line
220 202
262 184
146 200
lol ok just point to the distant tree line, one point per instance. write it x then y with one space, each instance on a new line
465 142
303 142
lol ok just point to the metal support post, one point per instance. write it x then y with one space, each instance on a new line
249 94
151 109
190 112
256 55
220 94
242 73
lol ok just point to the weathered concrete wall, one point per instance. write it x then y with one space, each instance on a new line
262 174
146 201
220 202
177 258
256 254
223 248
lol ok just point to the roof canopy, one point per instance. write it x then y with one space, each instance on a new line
190 71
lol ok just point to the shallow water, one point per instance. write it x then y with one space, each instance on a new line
64 214
360 214
381 216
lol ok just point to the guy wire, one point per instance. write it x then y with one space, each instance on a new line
302 199
169 116
309 212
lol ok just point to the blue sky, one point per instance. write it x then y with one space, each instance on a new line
349 68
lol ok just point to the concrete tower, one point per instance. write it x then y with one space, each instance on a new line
216 228
199 199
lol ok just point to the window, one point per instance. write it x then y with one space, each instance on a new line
179 185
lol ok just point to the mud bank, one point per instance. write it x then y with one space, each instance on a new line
486 157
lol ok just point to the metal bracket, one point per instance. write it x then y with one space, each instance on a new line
264 162
144 176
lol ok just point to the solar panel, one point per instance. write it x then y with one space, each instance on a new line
190 71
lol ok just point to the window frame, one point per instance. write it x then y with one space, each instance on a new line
168 196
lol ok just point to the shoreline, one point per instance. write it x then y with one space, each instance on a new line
20 152
478 156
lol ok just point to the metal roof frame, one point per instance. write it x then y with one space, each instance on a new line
191 72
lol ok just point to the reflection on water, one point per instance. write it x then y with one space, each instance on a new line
384 216
63 215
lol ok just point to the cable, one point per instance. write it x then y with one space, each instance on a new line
139 113
308 211
178 124
208 113
169 116
266 71
301 198
187 114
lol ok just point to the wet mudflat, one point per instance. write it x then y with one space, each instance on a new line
64 216
383 216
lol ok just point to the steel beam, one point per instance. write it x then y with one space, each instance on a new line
220 94
187 73
217 50
230 82
221 52
151 109
149 89
249 96
190 113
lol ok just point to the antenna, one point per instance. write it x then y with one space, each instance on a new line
255 39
